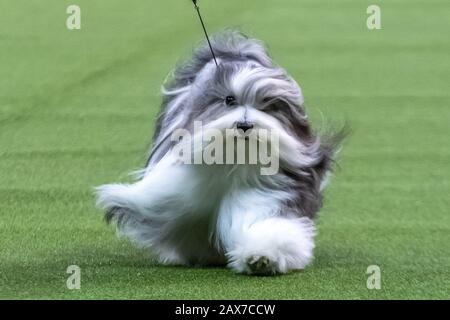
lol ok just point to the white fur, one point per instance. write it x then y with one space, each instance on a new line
278 244
247 223
224 214
246 229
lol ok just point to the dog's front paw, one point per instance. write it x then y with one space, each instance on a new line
261 265
252 263
273 246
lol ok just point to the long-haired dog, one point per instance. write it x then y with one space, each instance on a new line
222 213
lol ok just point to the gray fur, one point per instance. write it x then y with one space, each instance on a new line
196 92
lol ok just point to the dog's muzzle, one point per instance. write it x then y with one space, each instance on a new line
244 125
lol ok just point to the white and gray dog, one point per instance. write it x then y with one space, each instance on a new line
228 213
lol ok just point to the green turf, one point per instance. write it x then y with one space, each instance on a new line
77 110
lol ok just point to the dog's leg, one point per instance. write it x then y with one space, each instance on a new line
273 245
148 210
260 241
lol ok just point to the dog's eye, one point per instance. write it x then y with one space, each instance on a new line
267 100
270 104
230 100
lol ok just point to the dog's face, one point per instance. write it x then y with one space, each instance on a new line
245 91
247 95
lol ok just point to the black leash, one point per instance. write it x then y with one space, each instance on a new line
204 30
156 147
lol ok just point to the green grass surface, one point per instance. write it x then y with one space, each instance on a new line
77 110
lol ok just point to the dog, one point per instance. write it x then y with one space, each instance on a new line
219 213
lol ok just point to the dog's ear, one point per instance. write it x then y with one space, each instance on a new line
330 145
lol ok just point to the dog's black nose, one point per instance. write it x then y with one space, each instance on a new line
244 125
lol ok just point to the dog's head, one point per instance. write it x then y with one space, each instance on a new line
244 91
